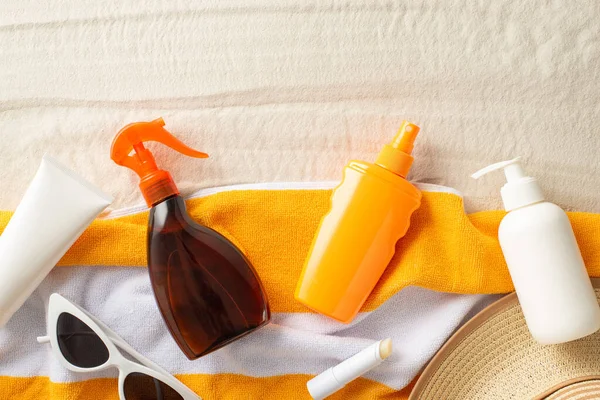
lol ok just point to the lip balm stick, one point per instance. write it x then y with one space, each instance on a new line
335 378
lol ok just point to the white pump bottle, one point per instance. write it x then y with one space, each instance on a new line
544 261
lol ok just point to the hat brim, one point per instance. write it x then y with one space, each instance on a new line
493 356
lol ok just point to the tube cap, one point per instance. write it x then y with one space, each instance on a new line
520 190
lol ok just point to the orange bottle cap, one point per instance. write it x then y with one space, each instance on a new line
396 155
156 184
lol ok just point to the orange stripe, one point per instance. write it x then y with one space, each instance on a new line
210 387
444 250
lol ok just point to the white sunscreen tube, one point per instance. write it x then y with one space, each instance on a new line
55 210
337 377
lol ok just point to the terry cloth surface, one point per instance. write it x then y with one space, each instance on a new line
104 273
291 90
444 249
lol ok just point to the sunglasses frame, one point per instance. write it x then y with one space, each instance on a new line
58 305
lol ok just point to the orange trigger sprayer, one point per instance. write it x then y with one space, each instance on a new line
206 289
156 184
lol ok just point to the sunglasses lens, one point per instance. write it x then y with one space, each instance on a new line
78 343
140 386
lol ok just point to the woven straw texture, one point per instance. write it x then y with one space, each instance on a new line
494 357
586 390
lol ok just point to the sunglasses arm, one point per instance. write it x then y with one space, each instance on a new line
43 339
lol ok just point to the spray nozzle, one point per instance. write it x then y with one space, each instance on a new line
520 189
395 156
405 137
156 184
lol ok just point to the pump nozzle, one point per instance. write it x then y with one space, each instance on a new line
520 190
512 169
155 184
395 156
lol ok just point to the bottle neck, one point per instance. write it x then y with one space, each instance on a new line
394 160
157 187
526 205
522 193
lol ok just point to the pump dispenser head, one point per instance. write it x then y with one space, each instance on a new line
155 184
396 155
520 190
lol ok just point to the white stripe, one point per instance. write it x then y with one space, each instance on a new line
318 185
304 343
417 320
432 187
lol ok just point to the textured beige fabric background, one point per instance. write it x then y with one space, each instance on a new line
281 90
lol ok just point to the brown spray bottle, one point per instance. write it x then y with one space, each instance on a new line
206 289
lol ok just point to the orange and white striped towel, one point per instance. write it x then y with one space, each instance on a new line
273 224
445 250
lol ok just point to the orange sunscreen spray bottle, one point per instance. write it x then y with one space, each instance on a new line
370 211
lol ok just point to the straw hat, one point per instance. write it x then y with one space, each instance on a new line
493 356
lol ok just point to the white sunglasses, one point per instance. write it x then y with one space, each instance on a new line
82 343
